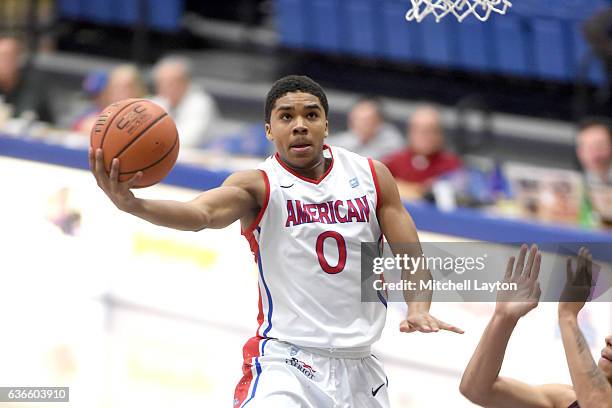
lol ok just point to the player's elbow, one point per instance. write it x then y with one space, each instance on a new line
201 220
472 392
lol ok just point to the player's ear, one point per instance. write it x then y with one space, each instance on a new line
268 129
326 128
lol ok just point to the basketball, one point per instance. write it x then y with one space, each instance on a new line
141 135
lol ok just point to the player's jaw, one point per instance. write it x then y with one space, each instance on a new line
605 361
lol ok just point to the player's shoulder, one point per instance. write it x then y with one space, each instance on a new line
253 180
382 172
560 395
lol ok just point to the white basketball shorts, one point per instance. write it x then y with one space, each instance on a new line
282 375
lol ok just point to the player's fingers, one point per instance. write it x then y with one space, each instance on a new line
433 323
449 327
135 179
532 254
114 173
536 292
568 271
589 268
580 276
535 269
97 160
100 169
422 325
91 159
509 267
406 327
518 269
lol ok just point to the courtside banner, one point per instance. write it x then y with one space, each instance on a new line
486 272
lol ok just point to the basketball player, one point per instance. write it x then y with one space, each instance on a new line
304 212
592 383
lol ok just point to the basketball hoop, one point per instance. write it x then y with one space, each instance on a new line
481 9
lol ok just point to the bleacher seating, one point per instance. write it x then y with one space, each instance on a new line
160 15
537 39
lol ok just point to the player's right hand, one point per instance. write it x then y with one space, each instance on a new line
118 192
517 303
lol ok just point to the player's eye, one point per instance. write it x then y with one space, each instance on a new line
313 115
285 116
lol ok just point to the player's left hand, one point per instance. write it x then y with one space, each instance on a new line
578 284
425 323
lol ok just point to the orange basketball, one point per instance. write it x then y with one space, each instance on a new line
141 135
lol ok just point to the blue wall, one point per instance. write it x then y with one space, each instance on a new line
537 39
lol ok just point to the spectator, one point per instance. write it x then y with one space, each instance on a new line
598 33
594 150
125 82
193 110
368 134
95 87
19 87
424 159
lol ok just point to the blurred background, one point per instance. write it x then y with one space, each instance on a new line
495 131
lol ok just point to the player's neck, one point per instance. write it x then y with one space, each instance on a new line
314 170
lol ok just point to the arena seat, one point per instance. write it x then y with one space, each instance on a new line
437 43
401 41
475 44
511 47
551 50
162 16
69 8
537 39
290 24
363 28
327 25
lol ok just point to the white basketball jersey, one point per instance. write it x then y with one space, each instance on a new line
307 243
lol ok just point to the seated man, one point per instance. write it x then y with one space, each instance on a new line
21 88
368 134
424 159
592 383
193 110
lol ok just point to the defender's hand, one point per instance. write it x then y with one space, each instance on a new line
118 192
578 284
517 303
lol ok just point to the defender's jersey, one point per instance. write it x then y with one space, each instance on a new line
307 243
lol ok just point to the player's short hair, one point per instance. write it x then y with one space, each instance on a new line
596 121
294 83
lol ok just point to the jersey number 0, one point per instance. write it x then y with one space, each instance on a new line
341 252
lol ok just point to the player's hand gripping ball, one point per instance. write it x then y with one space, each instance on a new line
141 135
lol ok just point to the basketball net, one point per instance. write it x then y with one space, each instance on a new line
481 9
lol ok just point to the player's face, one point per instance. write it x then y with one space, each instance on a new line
605 361
298 127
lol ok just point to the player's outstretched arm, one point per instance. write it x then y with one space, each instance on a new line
399 230
239 196
481 382
590 384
